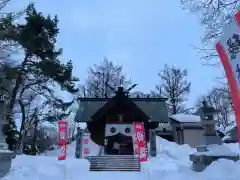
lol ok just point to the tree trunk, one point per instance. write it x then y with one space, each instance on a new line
15 90
34 144
13 98
74 126
22 128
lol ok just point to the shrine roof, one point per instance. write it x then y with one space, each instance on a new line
155 108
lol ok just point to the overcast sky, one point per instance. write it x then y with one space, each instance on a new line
141 35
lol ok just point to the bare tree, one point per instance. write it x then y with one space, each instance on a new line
219 99
103 79
214 16
151 94
139 94
174 86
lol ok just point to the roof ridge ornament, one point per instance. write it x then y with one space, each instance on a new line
126 92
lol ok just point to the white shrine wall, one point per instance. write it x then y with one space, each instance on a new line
113 129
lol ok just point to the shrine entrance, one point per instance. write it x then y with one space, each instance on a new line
118 139
111 125
119 145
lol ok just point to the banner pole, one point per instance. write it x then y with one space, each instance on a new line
149 172
149 156
65 170
65 167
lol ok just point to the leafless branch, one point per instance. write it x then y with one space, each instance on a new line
214 16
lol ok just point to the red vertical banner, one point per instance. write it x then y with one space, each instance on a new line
140 142
228 51
86 140
62 139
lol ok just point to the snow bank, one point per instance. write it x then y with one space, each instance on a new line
172 162
47 168
234 147
174 150
222 169
171 157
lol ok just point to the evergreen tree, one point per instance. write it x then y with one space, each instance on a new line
40 66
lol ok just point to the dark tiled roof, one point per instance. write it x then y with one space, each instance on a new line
87 109
155 109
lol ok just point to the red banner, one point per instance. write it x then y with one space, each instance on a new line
227 48
86 145
62 139
140 142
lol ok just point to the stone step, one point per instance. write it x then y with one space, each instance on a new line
114 163
116 169
120 158
126 158
113 160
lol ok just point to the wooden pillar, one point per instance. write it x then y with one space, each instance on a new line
78 148
152 138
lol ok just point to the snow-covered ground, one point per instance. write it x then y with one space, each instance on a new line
171 163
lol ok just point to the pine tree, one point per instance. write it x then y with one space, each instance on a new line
37 36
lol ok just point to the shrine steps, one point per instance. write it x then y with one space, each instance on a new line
114 163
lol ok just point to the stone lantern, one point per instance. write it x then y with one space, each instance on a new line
209 124
211 148
6 156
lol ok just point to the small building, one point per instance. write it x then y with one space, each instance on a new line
187 129
110 120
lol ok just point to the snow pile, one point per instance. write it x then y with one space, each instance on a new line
174 150
171 159
172 162
47 168
222 169
234 147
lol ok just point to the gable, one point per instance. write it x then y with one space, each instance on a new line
153 108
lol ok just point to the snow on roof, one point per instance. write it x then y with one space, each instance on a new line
186 118
229 128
